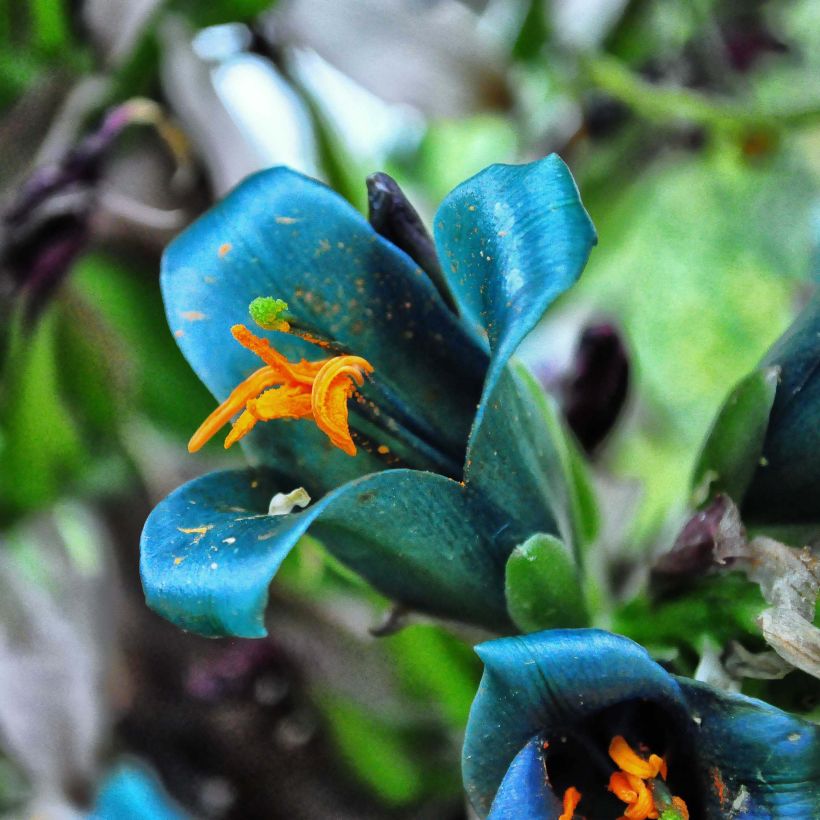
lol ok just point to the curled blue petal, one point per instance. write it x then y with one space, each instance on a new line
758 758
210 550
511 239
732 753
545 682
524 791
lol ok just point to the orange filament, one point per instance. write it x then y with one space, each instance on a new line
572 797
283 389
635 783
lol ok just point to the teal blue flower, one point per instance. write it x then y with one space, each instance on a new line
583 712
454 464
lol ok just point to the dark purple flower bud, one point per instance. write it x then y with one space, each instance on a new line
693 551
393 216
747 43
47 223
594 390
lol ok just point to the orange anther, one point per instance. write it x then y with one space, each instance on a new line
621 752
636 783
334 385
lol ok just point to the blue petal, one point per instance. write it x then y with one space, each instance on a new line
524 792
510 460
129 791
545 682
282 234
756 750
520 457
553 682
511 239
786 487
210 551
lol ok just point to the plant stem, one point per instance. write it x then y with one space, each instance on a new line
660 103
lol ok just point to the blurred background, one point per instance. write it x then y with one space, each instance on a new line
693 130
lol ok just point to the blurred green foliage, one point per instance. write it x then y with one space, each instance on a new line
701 176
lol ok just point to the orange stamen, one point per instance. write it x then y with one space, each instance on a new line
301 390
630 786
252 386
621 752
620 786
572 797
334 385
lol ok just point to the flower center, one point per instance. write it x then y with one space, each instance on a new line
282 389
637 785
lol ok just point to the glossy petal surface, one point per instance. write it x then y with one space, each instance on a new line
758 750
511 239
284 235
553 682
543 683
210 550
786 486
524 791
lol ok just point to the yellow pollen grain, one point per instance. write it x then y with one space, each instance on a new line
178 560
286 220
383 449
193 315
225 249
179 333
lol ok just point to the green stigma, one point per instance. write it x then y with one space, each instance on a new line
269 313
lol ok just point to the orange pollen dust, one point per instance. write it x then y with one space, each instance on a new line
288 390
635 784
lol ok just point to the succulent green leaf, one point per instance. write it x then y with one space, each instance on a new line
542 586
734 446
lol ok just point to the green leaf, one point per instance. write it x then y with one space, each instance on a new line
686 619
453 150
379 753
533 34
436 668
50 24
131 314
40 446
542 586
734 445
